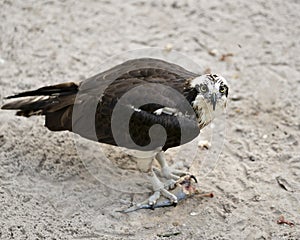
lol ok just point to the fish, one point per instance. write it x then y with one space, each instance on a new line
185 187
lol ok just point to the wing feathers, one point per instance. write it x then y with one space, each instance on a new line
56 102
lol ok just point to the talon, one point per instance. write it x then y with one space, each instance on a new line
161 197
153 198
169 172
194 178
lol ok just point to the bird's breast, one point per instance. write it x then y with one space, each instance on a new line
204 112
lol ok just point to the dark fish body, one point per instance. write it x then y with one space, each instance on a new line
161 203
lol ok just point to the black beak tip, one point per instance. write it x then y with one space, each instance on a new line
214 101
214 106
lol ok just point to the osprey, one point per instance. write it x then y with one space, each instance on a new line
124 105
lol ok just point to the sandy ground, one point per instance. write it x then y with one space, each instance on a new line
46 192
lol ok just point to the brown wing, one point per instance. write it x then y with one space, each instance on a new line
152 78
71 106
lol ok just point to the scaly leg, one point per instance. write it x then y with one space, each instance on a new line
159 189
167 171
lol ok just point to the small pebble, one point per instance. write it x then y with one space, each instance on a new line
175 224
236 98
213 52
169 47
194 213
204 144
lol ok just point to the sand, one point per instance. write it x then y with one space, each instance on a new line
46 190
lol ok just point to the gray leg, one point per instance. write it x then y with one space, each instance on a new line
159 189
167 171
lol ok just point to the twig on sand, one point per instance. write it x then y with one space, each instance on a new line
281 220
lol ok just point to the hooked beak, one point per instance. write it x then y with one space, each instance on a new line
213 100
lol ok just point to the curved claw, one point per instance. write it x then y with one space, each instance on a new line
194 178
153 198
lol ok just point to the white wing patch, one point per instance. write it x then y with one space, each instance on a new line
134 108
166 110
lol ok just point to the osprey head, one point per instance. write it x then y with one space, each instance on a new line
212 92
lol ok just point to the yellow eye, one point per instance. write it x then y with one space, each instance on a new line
222 89
203 88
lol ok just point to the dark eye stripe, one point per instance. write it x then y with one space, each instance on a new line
220 81
223 89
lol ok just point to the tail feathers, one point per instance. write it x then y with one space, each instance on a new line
43 100
59 89
30 106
